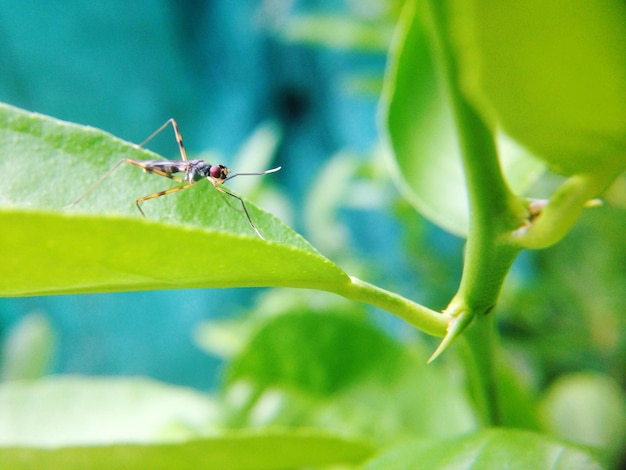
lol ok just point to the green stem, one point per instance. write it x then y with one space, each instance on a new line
480 344
563 209
427 320
495 212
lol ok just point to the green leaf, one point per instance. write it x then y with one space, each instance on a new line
190 239
52 253
334 351
487 450
74 422
552 74
423 145
245 451
316 369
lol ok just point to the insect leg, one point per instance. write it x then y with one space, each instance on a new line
97 183
179 137
221 189
136 163
159 194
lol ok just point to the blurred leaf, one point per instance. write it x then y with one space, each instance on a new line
245 451
257 154
338 185
363 84
487 450
347 32
418 401
517 407
333 352
221 337
568 314
552 74
423 147
228 337
190 239
70 411
28 349
616 194
589 409
336 371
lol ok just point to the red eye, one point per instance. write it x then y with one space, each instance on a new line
216 171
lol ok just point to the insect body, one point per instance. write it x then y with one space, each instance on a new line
192 170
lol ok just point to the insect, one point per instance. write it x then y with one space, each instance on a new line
193 171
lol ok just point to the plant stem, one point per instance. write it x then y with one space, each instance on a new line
563 209
427 320
479 341
495 212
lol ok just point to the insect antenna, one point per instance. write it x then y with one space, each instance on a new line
273 170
